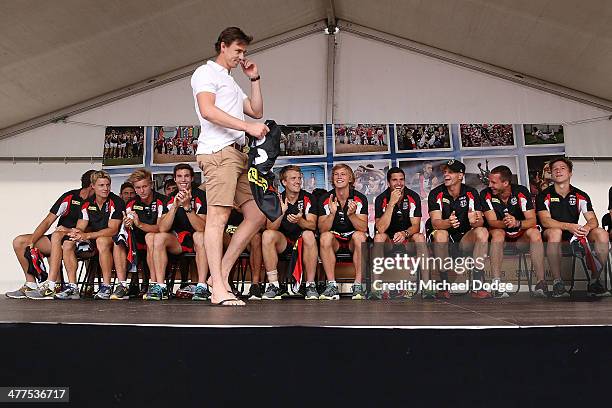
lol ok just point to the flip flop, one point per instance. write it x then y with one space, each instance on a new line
222 303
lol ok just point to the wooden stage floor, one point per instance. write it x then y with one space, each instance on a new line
458 312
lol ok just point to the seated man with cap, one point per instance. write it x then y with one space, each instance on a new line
455 212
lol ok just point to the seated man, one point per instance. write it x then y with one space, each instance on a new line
398 216
181 229
170 187
99 221
142 216
66 211
455 212
294 229
559 207
343 222
253 248
127 192
511 218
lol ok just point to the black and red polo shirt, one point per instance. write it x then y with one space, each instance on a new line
518 202
98 216
342 224
564 209
68 208
306 204
198 205
468 199
147 213
409 206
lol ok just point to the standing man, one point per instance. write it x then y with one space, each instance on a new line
455 212
559 207
221 105
509 211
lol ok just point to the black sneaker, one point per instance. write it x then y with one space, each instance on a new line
559 290
255 292
311 292
273 292
540 290
596 289
120 293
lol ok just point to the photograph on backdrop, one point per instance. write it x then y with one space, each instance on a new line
538 170
477 169
164 183
411 137
361 139
541 134
314 176
302 140
370 180
422 176
123 146
175 144
478 136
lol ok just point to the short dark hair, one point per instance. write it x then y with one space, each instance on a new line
183 166
504 173
231 34
567 161
169 183
86 178
125 185
394 170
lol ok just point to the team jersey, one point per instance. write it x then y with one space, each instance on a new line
342 223
147 213
198 205
518 202
409 206
98 216
68 208
306 204
564 209
440 199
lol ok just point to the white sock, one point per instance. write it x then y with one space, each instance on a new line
202 285
124 284
163 285
51 284
272 276
31 285
275 284
73 285
310 283
333 282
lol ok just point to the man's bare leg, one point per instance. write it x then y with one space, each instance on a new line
201 258
310 255
216 220
553 251
105 255
498 237
19 245
329 247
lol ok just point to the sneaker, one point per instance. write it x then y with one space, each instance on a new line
358 292
70 293
19 293
311 292
43 292
104 292
133 291
481 294
498 294
273 292
255 292
154 293
540 290
428 294
165 294
330 292
559 290
120 293
443 294
201 293
597 290
186 292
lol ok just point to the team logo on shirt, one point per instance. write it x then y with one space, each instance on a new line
572 200
463 202
495 200
513 201
138 207
405 204
76 202
300 205
92 208
554 200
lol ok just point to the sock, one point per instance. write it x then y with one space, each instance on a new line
73 285
357 283
124 283
205 286
163 285
310 283
51 284
333 282
275 283
272 276
31 285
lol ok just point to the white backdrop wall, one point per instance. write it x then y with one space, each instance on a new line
374 83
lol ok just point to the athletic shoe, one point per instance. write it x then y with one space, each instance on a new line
134 291
104 292
19 293
273 292
154 293
255 292
559 290
596 289
164 291
330 292
540 290
311 292
358 292
481 294
498 294
70 293
443 294
120 293
201 293
428 294
42 293
186 292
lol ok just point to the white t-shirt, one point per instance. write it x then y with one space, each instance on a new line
212 77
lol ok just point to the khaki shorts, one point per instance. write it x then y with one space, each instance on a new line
226 177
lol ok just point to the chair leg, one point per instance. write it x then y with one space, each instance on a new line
573 274
519 272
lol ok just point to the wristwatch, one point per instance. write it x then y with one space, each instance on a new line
257 78
406 234
187 210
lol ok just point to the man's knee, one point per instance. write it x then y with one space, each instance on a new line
104 244
268 237
198 240
150 239
440 236
418 237
498 235
534 235
68 245
481 234
309 240
21 241
327 239
599 235
380 237
553 234
359 237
